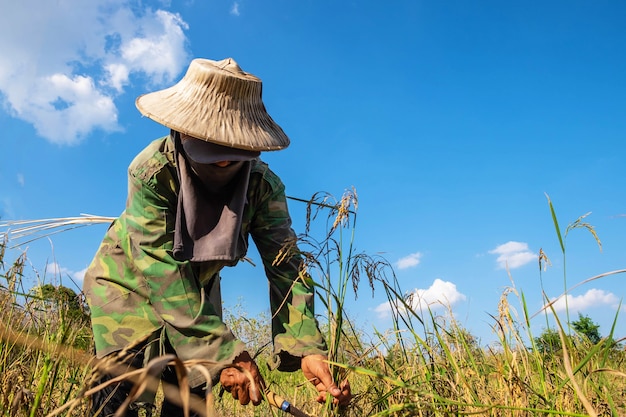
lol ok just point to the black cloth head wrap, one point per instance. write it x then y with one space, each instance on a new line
209 209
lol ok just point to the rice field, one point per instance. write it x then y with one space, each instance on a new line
426 365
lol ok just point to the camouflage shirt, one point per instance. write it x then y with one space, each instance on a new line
137 290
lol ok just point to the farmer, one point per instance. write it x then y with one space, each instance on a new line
194 198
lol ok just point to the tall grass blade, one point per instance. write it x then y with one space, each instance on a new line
556 224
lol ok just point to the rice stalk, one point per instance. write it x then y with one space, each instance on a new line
25 231
570 373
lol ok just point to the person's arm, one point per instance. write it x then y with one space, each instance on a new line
298 343
294 327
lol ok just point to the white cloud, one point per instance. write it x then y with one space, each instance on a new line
439 295
117 76
592 298
53 269
65 109
235 9
79 276
513 255
160 51
409 261
21 180
64 62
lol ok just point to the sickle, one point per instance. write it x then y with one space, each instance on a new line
279 402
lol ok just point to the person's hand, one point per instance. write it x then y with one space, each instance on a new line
238 384
318 373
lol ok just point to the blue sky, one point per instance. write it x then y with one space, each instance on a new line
453 121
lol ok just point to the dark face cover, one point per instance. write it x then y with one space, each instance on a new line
210 205
215 178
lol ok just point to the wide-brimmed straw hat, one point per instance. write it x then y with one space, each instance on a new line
218 102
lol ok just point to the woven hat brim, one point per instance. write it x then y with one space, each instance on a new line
226 110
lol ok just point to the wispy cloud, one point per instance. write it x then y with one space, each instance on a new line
6 208
513 255
439 295
592 298
64 63
235 9
409 261
20 179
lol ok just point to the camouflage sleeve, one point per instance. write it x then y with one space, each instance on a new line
191 323
294 327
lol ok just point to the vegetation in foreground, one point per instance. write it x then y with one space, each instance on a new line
427 365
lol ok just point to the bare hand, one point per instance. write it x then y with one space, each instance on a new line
318 372
238 383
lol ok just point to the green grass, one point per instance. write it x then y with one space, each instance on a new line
425 365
